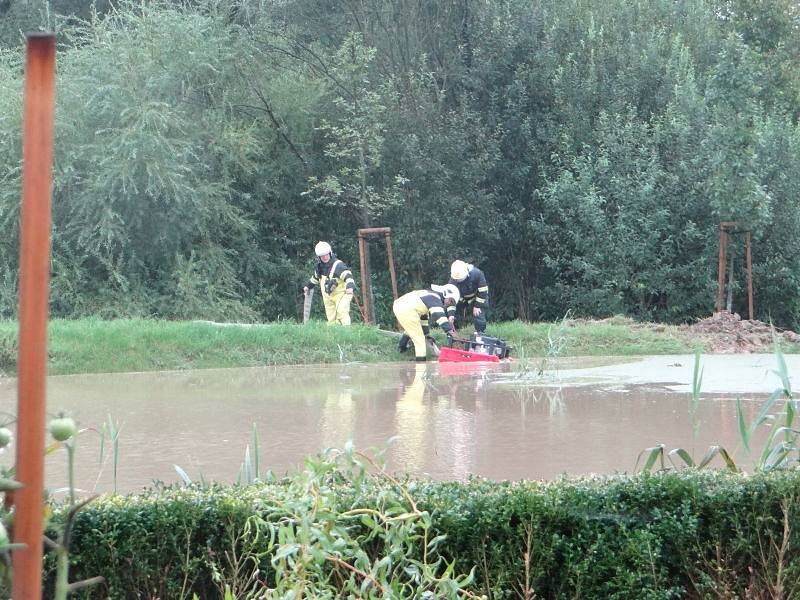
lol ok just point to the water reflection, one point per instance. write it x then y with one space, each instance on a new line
410 420
450 420
337 420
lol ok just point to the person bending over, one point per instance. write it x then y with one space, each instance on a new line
414 311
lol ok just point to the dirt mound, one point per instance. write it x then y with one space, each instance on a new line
728 333
722 333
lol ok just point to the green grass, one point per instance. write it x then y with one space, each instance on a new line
97 346
593 339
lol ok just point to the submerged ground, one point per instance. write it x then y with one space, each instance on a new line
577 415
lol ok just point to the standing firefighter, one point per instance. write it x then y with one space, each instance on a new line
336 283
471 283
414 309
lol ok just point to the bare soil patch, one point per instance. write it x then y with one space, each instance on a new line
728 333
721 333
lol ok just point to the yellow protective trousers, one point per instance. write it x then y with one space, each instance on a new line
337 304
409 310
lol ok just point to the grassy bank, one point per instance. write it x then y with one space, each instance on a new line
96 346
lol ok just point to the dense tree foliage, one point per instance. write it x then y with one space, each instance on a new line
582 154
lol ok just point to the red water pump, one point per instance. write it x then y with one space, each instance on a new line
479 348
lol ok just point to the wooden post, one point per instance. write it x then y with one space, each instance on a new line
362 256
366 280
34 278
390 258
749 276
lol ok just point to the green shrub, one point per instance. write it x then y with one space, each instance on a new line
667 535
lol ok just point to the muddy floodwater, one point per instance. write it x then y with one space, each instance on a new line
447 421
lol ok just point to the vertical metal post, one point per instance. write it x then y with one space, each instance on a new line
729 301
368 290
362 255
749 276
723 256
720 270
34 278
366 280
390 256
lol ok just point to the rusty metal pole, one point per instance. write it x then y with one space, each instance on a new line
34 277
749 276
369 291
390 254
723 237
362 255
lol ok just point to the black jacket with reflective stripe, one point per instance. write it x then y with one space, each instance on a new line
341 271
473 289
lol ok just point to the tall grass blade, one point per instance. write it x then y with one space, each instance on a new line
782 371
763 413
247 466
694 401
652 456
744 432
113 434
777 456
714 451
102 445
183 475
790 412
788 431
684 456
768 446
728 460
711 452
256 460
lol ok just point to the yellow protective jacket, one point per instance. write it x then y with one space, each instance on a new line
427 304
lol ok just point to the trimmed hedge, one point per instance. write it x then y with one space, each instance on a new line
670 535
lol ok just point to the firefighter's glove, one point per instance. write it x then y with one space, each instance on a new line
330 285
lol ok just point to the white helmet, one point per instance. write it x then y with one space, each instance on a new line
322 249
459 270
448 291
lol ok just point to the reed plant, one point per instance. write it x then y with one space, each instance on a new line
778 414
309 541
111 430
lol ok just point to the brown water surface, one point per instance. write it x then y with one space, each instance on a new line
449 421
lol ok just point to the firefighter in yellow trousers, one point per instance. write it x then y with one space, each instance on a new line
336 284
415 309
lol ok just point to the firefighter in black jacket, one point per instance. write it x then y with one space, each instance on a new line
471 282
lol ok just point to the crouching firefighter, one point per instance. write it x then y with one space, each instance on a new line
415 309
471 283
336 284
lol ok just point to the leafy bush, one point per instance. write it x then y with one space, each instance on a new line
669 535
582 154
